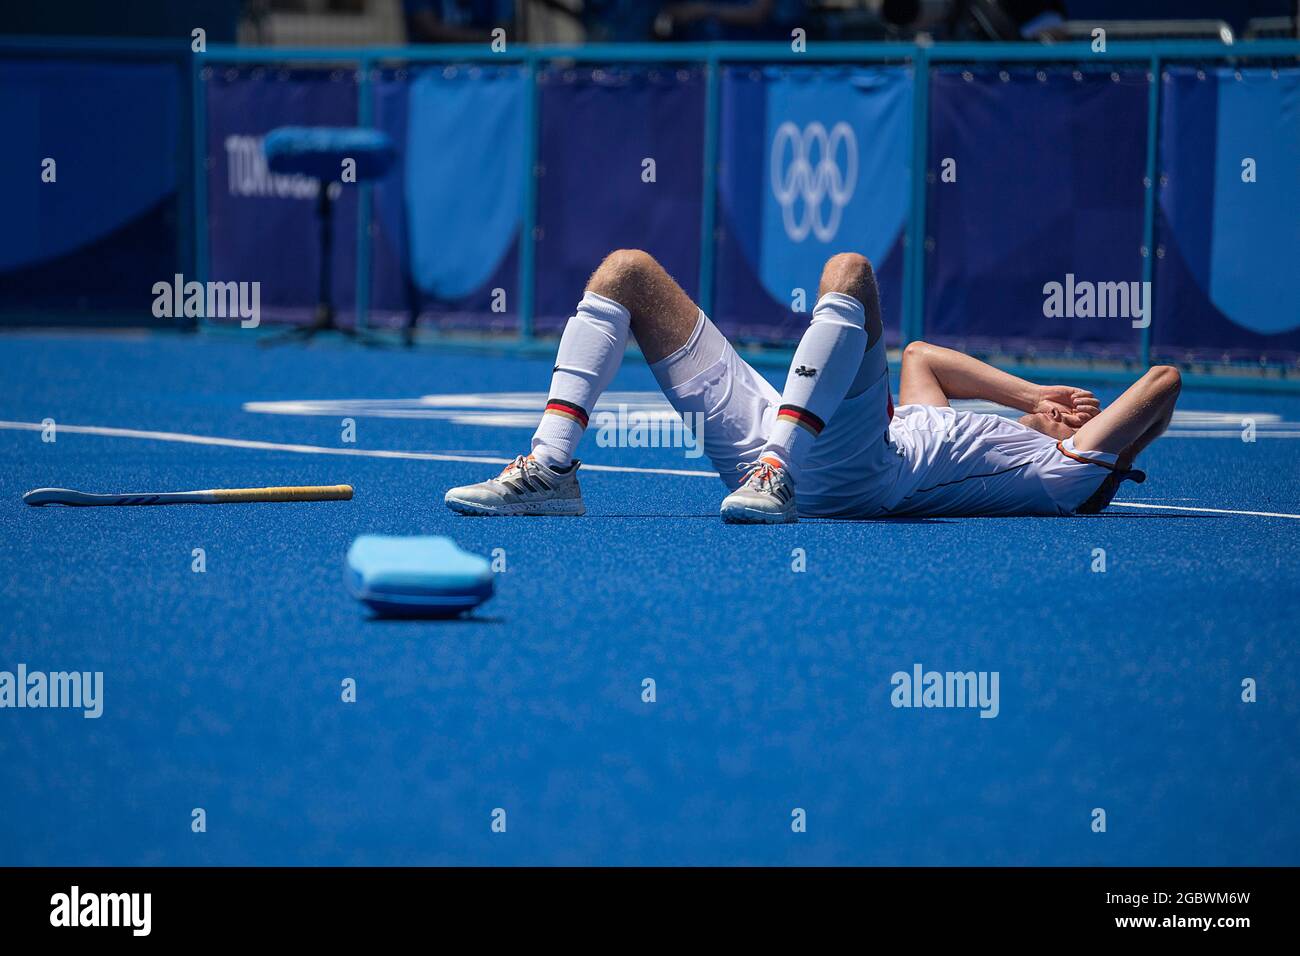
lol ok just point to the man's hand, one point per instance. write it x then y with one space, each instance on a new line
1067 404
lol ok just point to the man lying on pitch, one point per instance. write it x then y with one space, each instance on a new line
832 444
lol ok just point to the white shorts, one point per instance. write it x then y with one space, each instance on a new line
851 458
870 460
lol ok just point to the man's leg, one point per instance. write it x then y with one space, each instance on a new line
628 293
837 358
829 360
717 394
917 382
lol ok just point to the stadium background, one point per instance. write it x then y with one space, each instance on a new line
1055 147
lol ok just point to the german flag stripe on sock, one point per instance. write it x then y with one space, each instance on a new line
801 417
558 406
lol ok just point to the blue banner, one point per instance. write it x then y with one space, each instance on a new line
813 161
463 202
620 165
1035 197
393 297
445 243
1229 226
88 187
262 226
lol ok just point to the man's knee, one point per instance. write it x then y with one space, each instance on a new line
850 273
1167 377
1164 383
626 272
916 351
663 316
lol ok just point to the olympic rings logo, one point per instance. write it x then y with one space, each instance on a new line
798 178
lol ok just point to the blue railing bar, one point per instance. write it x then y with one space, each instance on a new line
528 215
365 118
914 259
1115 50
777 52
592 53
709 199
817 52
737 52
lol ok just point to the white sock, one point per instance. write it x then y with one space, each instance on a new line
825 365
591 350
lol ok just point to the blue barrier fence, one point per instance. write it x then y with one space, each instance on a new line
96 197
981 172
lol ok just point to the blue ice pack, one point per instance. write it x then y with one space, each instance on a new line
416 576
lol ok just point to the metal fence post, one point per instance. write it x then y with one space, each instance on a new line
1149 206
199 118
709 199
914 261
365 118
528 215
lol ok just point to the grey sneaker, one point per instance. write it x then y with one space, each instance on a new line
765 497
525 487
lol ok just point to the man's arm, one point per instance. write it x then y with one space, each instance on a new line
1136 418
931 375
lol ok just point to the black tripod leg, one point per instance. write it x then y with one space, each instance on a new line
325 290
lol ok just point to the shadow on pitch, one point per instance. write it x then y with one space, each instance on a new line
714 517
1148 514
907 519
426 621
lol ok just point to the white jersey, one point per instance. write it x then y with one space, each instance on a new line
967 463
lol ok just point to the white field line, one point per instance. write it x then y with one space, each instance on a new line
1177 433
1217 511
189 439
320 449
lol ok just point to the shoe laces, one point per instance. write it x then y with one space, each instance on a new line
761 475
520 464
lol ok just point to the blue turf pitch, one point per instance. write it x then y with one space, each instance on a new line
1119 690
